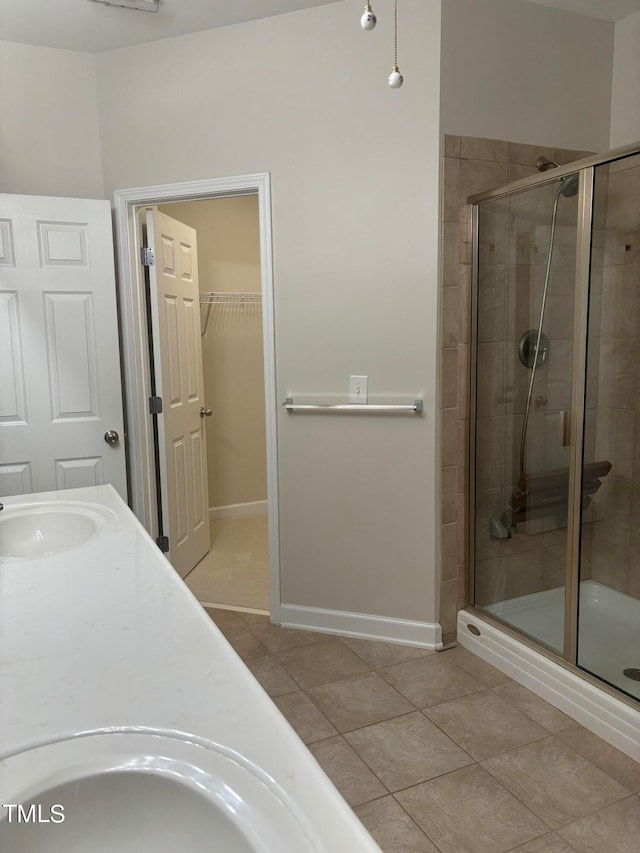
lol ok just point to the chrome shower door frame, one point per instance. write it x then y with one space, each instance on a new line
586 170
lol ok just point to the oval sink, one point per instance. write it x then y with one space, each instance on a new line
36 530
145 793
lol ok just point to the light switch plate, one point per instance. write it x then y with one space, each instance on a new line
358 389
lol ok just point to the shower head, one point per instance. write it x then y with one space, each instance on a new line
569 186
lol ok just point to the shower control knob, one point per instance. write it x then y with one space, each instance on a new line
111 437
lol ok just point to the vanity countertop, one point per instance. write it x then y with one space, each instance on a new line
107 636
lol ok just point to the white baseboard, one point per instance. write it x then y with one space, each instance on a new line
611 719
238 510
426 635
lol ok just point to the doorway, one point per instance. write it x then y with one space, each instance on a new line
235 571
235 505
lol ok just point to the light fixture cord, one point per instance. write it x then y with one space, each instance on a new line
395 33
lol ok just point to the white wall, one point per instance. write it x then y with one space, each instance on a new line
49 133
354 170
625 104
526 73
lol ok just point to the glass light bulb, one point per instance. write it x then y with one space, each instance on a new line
368 19
395 78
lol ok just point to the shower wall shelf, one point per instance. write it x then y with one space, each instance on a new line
416 408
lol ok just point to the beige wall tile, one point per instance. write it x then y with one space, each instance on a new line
449 316
527 155
480 175
448 605
450 254
451 198
450 145
448 492
449 378
476 148
449 551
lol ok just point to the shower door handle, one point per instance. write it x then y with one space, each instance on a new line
566 428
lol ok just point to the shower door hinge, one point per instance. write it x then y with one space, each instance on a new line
155 405
147 257
163 543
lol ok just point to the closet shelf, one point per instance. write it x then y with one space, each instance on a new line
219 298
212 297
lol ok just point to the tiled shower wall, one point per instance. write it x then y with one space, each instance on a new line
469 165
614 344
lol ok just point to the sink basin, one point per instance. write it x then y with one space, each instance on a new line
144 793
49 527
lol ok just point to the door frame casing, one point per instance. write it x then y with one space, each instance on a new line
135 353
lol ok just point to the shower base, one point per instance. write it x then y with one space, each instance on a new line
610 643
608 635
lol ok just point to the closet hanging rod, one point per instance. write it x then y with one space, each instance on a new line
417 407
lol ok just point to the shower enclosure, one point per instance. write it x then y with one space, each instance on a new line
554 491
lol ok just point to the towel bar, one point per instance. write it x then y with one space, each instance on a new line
417 407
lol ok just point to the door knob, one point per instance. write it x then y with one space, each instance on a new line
206 412
111 437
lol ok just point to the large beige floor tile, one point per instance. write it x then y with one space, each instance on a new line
278 639
245 642
272 677
347 771
378 654
225 619
236 569
392 828
320 663
430 680
556 783
615 829
551 843
615 763
533 706
359 701
484 724
407 750
475 666
308 721
469 812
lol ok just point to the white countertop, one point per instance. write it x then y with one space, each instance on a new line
108 636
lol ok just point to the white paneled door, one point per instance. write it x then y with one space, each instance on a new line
177 349
60 381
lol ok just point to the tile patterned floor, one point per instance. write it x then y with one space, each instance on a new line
438 752
236 569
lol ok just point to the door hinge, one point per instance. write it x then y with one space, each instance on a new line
155 405
163 543
147 257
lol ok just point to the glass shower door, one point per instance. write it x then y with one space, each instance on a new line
609 608
524 336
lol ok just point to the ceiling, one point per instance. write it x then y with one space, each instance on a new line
610 10
92 27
